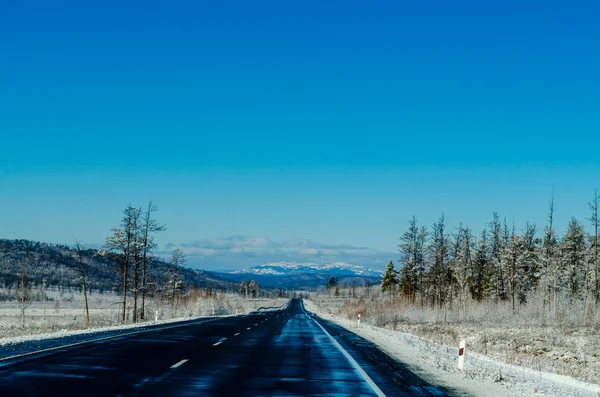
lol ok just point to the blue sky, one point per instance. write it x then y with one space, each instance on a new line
308 125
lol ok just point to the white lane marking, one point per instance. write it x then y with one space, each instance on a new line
236 334
352 361
248 329
220 341
179 364
217 344
256 325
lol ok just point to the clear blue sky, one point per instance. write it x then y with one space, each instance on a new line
333 122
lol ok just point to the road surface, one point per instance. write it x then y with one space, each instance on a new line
277 353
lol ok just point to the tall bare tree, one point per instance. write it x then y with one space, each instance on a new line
81 270
595 264
149 228
23 293
121 245
136 257
177 259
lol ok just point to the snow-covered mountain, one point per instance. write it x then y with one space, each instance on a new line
336 269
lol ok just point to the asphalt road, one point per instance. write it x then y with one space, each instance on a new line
277 353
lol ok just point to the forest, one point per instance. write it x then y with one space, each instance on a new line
447 269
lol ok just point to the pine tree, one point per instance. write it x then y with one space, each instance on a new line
480 271
439 259
389 280
573 249
511 255
409 259
330 284
463 263
548 261
498 280
528 268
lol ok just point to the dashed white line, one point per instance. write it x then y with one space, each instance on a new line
217 344
256 325
236 334
248 329
220 341
179 364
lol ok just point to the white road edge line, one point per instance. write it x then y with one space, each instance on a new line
352 361
179 364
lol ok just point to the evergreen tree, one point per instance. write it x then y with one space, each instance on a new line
389 280
463 263
498 276
409 259
480 270
439 258
548 260
330 284
528 268
573 250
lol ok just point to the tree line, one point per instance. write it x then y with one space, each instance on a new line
443 269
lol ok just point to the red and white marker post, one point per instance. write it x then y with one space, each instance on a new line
461 355
358 320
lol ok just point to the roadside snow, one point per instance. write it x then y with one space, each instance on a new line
91 331
482 375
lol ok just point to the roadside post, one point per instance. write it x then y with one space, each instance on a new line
358 321
213 311
332 315
461 355
156 315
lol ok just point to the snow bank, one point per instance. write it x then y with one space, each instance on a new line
482 375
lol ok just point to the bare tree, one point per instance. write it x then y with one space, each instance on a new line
253 287
81 269
136 251
149 227
23 293
176 283
244 288
120 244
595 264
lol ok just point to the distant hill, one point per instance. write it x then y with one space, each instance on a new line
302 275
58 264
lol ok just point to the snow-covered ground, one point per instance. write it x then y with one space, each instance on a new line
65 315
482 375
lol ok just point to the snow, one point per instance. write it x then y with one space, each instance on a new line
281 268
91 331
482 375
